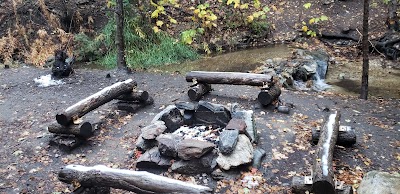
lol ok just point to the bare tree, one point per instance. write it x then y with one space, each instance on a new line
119 38
365 50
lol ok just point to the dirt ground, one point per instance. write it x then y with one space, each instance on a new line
30 165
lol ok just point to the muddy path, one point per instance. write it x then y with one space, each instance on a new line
29 165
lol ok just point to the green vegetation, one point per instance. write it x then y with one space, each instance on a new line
311 27
144 47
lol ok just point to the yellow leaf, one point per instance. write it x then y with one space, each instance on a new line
237 3
312 20
173 21
229 2
257 4
156 29
244 6
304 28
159 23
250 18
196 11
155 14
212 17
274 8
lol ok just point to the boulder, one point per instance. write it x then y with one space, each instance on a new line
376 182
167 144
152 159
205 164
227 141
211 114
191 148
242 154
153 130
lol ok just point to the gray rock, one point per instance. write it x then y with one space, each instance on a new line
191 148
205 164
211 114
186 105
227 141
376 182
143 144
153 159
238 124
153 130
242 154
248 117
173 119
160 114
219 174
257 156
167 144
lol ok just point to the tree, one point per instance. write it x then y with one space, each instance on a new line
365 50
119 38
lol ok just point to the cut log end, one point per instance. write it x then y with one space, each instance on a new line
86 130
63 120
197 91
323 187
266 97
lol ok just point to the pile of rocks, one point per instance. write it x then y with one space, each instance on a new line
194 138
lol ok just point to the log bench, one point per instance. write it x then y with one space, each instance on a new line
203 79
322 179
98 179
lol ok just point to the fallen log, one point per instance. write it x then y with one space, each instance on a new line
323 182
233 78
84 130
266 97
137 95
136 181
132 107
346 136
197 91
303 184
92 102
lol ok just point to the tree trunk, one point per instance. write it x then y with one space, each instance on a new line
323 182
233 78
85 130
92 102
119 37
136 181
393 20
137 95
266 97
365 45
197 91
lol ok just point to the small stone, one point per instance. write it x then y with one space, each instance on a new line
191 148
167 144
153 159
152 131
227 141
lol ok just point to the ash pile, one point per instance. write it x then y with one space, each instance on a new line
194 138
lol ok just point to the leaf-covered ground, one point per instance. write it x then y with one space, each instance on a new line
29 165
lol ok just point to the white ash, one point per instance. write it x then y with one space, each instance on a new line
204 133
47 80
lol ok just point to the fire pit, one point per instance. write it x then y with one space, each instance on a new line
192 138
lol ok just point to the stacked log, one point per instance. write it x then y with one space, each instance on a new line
71 135
266 97
197 91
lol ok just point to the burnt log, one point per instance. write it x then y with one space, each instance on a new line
92 190
84 130
136 181
266 97
132 107
233 78
66 142
346 136
94 101
323 182
301 185
197 91
137 95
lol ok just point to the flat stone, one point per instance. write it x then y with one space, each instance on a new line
242 154
205 164
153 159
167 144
186 105
227 141
191 148
376 182
248 117
143 144
211 114
238 124
153 130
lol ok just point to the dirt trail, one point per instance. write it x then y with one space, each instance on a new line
30 165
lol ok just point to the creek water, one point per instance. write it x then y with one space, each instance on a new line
343 77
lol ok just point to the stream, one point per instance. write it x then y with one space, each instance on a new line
344 77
